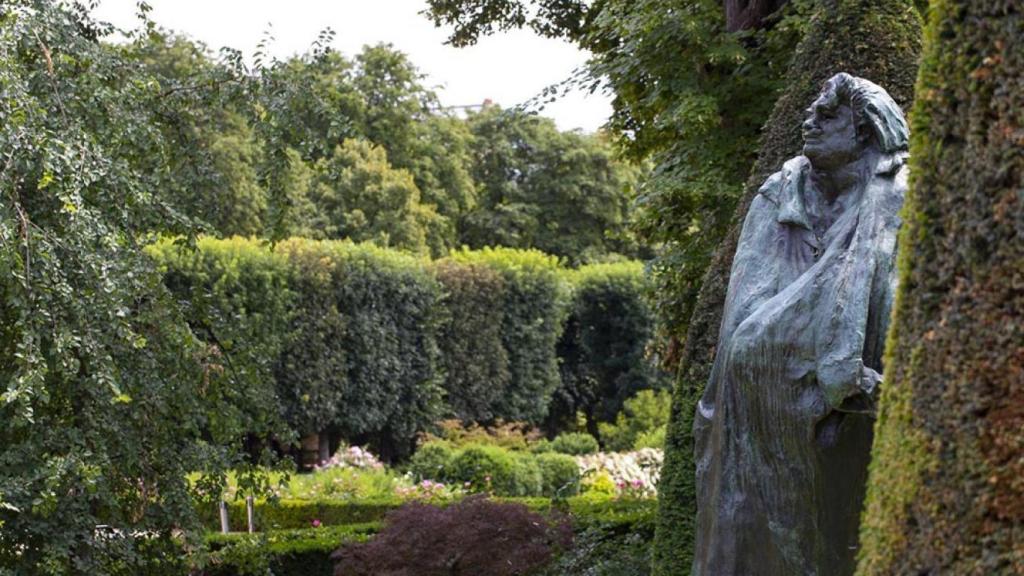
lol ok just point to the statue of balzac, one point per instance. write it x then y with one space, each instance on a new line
783 431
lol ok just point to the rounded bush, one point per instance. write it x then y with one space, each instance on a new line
495 469
561 474
575 444
432 461
527 476
484 467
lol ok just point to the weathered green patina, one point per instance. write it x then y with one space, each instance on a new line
874 39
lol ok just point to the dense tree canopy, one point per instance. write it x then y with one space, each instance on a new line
333 147
562 193
107 400
690 95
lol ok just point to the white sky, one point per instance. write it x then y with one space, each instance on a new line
507 68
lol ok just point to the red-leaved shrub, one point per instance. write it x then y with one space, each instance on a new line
474 537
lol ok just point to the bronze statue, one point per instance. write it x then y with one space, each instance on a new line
783 431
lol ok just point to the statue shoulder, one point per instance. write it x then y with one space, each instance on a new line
792 171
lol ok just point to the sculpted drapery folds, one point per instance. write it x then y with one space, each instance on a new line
783 430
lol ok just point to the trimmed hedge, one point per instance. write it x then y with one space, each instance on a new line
534 306
473 353
946 483
376 346
874 39
489 468
390 389
298 552
603 349
289 514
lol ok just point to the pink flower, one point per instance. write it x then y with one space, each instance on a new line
315 523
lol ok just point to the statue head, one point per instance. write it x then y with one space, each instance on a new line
849 117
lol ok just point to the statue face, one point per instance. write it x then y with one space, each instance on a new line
830 133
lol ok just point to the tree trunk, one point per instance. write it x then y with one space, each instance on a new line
875 39
749 14
946 486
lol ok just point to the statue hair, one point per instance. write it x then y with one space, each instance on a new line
873 106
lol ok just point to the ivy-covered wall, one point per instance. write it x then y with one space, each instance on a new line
874 39
946 488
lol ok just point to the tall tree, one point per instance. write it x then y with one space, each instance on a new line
838 41
690 95
357 194
560 192
946 488
107 400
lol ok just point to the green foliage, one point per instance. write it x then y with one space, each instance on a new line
641 423
533 311
575 444
689 95
236 297
373 484
834 43
358 195
611 539
431 461
107 399
604 347
474 358
560 192
510 435
945 484
345 333
283 552
388 302
490 468
289 514
496 470
561 475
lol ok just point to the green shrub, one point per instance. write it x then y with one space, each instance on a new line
533 310
645 416
287 514
432 461
509 435
485 468
651 439
575 444
344 484
496 470
473 354
299 552
236 298
561 475
604 347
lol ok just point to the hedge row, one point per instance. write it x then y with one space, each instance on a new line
297 515
376 345
493 469
612 537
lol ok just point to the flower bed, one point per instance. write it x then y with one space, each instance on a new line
632 473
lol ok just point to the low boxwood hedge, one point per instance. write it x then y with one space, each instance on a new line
305 551
610 534
288 514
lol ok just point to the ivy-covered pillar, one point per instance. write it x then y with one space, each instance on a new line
946 487
874 39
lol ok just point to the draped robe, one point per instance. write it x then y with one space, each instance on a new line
783 431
